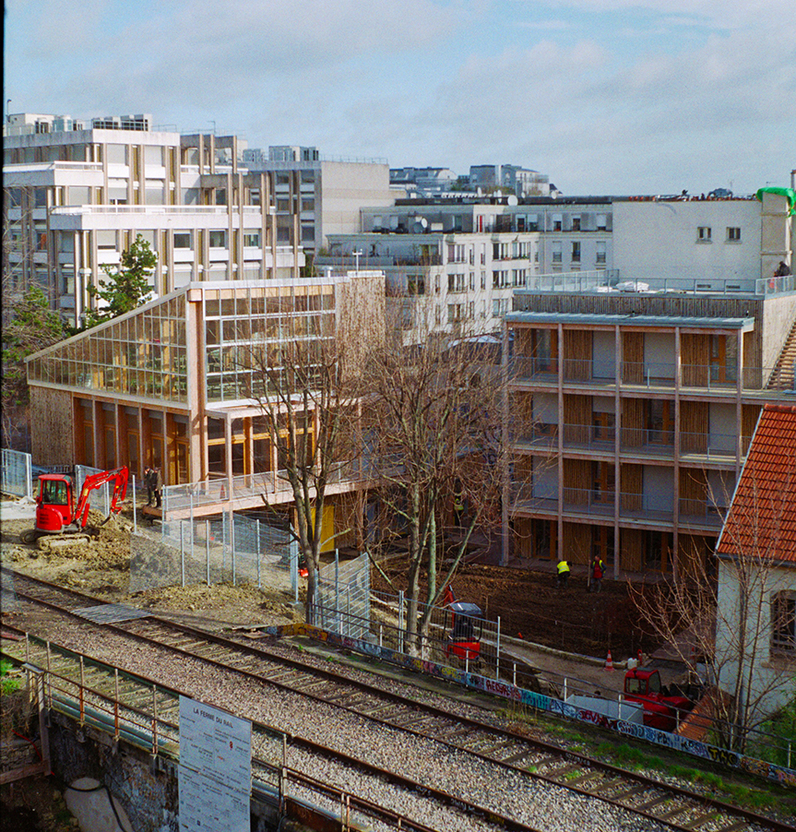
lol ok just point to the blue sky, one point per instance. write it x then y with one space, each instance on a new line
605 96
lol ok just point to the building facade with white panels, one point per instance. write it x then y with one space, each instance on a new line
454 263
326 194
76 197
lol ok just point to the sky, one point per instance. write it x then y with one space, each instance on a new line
604 96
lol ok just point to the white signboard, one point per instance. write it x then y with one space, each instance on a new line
215 769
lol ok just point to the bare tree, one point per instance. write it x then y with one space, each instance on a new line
432 427
734 612
308 383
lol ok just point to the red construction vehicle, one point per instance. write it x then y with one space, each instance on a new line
466 624
59 519
663 709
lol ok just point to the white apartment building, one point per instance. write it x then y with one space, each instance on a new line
76 196
325 194
455 263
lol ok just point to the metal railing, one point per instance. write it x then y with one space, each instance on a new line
713 377
638 441
608 281
632 506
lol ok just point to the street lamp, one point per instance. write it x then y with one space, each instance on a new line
357 254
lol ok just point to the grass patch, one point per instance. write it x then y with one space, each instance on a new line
8 683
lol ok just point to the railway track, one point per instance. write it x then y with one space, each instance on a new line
670 806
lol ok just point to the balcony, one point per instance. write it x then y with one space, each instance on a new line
713 379
641 510
634 443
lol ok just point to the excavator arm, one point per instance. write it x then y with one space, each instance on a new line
119 479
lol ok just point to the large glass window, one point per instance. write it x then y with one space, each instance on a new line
140 356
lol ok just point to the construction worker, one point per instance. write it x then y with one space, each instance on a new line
150 485
597 572
562 567
157 478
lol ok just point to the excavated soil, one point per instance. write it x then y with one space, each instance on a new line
531 607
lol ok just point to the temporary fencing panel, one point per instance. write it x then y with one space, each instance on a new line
343 597
15 476
215 551
100 498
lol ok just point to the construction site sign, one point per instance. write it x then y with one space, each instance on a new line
215 769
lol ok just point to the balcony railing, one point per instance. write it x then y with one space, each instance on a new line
608 281
69 210
632 506
632 440
651 374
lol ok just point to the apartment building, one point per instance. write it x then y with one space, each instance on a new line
77 194
325 194
177 383
455 262
520 181
643 394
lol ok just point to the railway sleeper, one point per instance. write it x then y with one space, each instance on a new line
623 797
707 817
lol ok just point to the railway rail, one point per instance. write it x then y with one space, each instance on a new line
667 805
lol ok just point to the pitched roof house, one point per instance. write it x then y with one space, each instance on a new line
756 622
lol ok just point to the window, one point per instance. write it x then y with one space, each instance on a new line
251 239
557 222
576 222
703 234
575 253
602 222
106 239
218 239
308 204
182 239
483 280
415 284
556 252
600 252
783 622
733 235
495 308
455 312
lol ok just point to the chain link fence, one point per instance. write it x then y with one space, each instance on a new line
234 549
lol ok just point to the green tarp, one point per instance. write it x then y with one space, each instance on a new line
788 193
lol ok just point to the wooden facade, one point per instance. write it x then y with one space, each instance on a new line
639 466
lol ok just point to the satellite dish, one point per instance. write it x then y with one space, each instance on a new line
512 200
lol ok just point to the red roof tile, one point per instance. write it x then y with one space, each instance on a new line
762 517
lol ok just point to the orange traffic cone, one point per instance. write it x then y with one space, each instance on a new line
609 662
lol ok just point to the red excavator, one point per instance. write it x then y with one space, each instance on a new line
466 622
663 708
58 520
